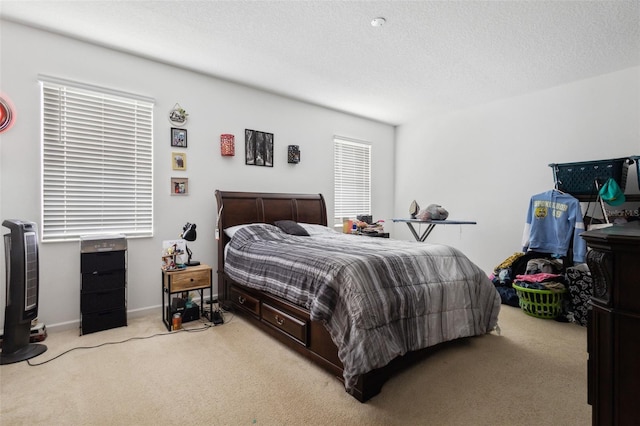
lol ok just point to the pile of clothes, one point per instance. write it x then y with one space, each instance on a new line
580 291
518 265
542 271
541 281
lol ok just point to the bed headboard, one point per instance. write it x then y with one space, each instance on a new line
236 208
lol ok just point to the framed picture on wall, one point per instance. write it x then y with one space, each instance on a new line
178 137
268 149
179 160
249 147
179 186
258 148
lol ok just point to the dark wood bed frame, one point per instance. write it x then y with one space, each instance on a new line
288 323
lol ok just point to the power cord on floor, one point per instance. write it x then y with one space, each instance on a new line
205 327
227 316
215 306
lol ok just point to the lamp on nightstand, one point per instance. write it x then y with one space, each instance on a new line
189 234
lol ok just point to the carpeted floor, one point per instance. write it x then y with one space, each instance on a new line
533 373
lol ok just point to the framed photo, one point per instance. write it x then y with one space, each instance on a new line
179 160
258 148
178 137
179 186
249 147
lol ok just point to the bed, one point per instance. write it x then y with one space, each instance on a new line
360 307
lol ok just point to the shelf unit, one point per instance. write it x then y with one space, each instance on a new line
192 278
592 198
578 179
103 292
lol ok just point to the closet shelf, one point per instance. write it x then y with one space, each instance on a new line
578 179
591 198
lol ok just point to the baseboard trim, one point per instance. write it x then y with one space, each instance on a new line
132 313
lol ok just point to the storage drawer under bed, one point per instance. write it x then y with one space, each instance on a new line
244 300
294 327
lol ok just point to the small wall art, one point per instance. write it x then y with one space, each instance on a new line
179 160
178 137
179 186
293 154
6 115
227 145
178 116
258 148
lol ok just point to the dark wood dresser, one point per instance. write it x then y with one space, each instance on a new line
613 339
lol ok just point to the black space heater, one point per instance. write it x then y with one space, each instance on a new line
21 258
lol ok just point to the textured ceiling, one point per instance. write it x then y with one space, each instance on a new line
431 57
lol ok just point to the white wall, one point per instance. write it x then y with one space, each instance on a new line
485 163
214 107
482 163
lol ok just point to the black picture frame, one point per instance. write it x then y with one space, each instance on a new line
258 148
178 137
249 147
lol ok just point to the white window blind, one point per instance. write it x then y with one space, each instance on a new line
96 162
352 178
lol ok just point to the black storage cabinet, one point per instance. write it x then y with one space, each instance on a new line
103 293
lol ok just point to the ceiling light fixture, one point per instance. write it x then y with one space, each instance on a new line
378 22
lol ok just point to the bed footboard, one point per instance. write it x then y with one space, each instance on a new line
292 326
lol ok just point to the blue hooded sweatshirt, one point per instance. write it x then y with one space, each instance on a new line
553 220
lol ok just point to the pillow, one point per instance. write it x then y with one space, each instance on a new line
233 229
291 227
315 229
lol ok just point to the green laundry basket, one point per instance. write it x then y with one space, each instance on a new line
545 304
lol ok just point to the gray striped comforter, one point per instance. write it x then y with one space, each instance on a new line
379 298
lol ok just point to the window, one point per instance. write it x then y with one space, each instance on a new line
96 161
352 178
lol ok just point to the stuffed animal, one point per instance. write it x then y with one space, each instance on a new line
433 212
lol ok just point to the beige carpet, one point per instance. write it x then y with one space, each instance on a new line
534 373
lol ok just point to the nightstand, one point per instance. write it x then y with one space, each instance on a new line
192 278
